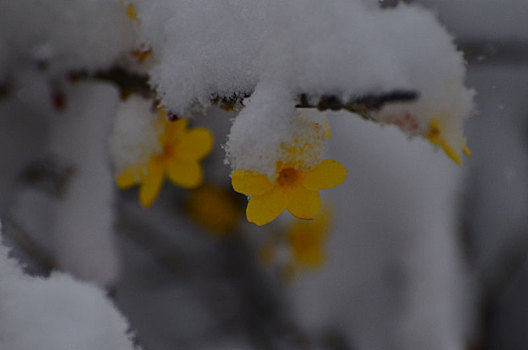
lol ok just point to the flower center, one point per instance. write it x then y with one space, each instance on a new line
434 135
287 177
169 150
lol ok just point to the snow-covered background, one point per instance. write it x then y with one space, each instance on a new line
420 253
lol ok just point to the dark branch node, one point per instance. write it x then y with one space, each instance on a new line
127 81
234 102
4 90
50 175
361 105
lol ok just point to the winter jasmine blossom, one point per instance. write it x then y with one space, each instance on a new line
436 137
131 11
215 208
179 160
294 189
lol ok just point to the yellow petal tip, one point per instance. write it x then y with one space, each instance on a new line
249 182
131 12
451 153
126 179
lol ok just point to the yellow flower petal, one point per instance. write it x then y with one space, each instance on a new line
303 203
265 208
250 183
131 12
311 258
185 173
196 144
450 152
307 238
151 184
175 130
127 178
433 134
215 208
328 174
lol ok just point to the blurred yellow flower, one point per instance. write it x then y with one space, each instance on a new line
130 11
179 160
306 240
293 189
215 208
434 135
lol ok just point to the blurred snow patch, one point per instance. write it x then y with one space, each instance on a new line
83 227
134 136
498 181
57 313
483 20
394 277
63 34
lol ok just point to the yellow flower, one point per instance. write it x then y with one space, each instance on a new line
434 135
181 151
130 10
306 240
215 208
293 189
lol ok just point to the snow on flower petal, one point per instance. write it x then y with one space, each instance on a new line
174 153
285 171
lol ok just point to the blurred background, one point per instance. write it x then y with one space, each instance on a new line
411 252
